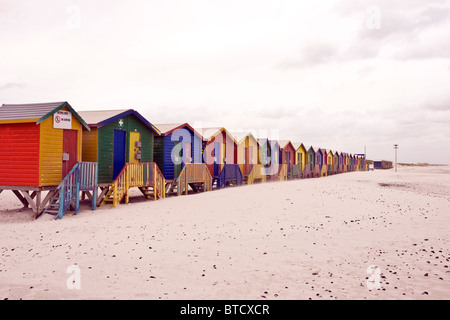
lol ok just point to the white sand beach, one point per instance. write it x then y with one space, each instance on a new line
302 239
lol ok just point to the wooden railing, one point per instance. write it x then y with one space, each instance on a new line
230 172
194 173
159 183
137 175
119 187
296 172
282 173
82 177
257 173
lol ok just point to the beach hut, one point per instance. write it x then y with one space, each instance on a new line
324 168
345 162
178 145
122 142
310 163
300 157
330 158
247 151
277 171
288 154
318 162
264 152
362 164
350 162
220 156
40 146
248 157
336 162
341 162
269 155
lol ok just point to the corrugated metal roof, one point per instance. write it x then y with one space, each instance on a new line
209 132
166 127
297 145
27 111
97 116
241 135
284 143
263 141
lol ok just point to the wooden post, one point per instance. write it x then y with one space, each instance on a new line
29 200
94 191
154 182
77 190
61 204
127 183
38 202
21 198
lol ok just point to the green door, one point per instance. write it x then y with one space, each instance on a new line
177 166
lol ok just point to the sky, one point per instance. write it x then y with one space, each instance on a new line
342 75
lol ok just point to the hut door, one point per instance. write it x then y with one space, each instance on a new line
135 147
288 159
217 161
187 152
223 154
119 152
177 164
70 147
246 160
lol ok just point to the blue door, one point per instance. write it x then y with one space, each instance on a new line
217 156
119 152
288 159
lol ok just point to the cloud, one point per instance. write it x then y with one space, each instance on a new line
12 85
311 54
313 70
438 105
407 29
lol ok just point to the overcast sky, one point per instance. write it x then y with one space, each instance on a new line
335 74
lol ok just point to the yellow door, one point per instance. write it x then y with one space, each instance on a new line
223 155
135 147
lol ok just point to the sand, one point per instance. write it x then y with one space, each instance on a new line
304 239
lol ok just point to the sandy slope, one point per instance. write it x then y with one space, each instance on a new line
290 240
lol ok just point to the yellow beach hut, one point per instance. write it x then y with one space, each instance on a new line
300 156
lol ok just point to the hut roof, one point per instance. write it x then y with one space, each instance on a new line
241 135
39 111
168 128
297 145
284 143
208 133
310 148
100 118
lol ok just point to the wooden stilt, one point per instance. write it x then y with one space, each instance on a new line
38 202
22 199
103 192
48 199
30 200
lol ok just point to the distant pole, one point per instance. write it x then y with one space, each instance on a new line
395 148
